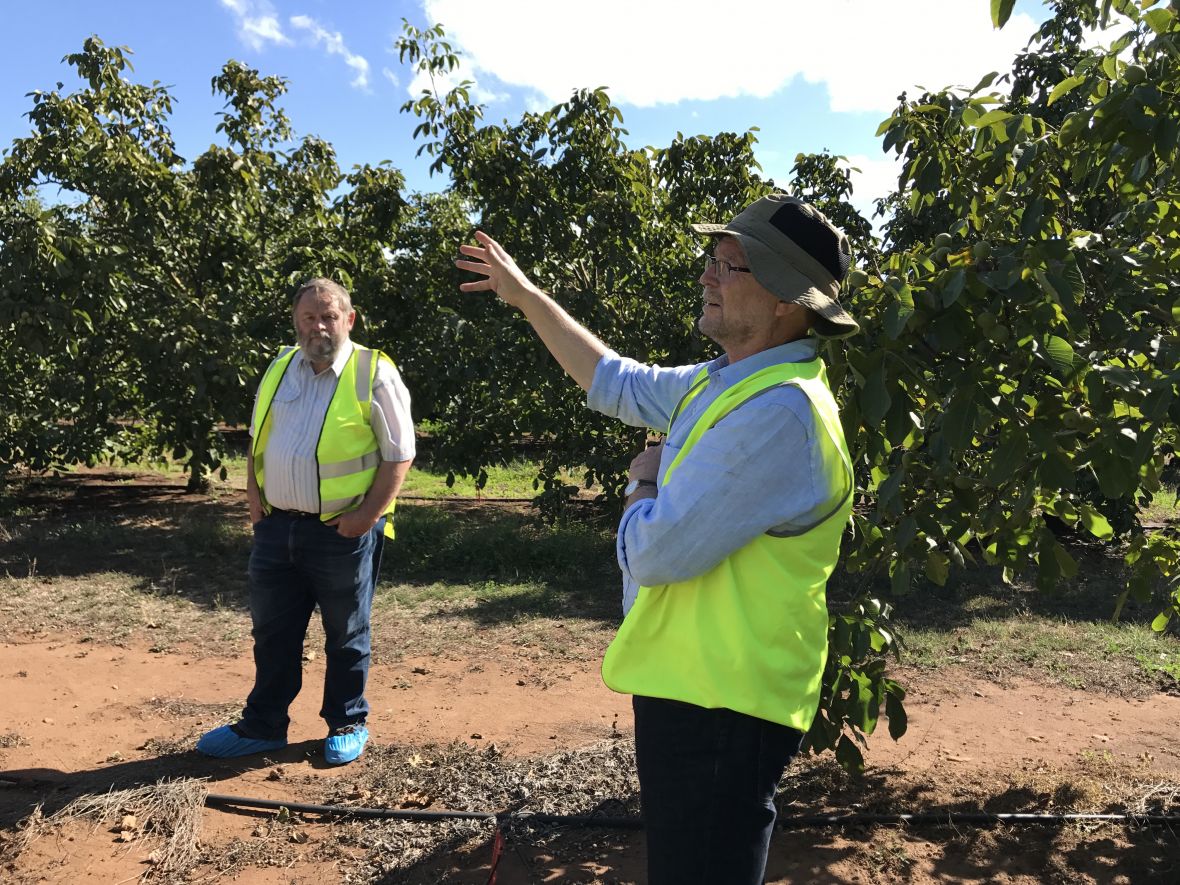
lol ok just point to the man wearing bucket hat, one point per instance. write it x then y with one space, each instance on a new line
730 530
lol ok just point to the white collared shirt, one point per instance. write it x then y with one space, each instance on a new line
297 415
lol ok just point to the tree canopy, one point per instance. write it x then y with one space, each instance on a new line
1015 380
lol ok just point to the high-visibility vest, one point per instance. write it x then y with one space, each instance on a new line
347 454
750 634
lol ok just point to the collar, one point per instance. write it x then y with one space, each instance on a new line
338 364
792 352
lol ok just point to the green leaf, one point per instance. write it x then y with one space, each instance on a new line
1066 86
1095 523
899 578
988 80
1067 564
895 319
938 567
1057 471
849 756
1008 457
952 286
992 116
1159 624
1159 20
1117 477
958 424
1060 354
1075 124
874 397
1001 12
898 720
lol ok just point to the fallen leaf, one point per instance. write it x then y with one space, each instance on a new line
414 800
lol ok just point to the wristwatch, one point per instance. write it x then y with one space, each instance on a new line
633 486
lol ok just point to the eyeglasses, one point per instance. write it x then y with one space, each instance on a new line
722 268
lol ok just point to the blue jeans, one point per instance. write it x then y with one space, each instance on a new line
707 780
298 562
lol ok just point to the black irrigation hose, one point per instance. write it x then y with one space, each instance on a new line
975 817
634 823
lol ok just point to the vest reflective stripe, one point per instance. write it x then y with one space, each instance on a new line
353 465
347 453
751 633
340 505
364 375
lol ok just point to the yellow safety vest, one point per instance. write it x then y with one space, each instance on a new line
750 634
347 454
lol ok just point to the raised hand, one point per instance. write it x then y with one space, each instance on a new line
501 275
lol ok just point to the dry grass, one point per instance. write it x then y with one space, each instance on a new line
169 811
599 779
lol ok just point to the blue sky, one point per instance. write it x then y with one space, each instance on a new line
809 75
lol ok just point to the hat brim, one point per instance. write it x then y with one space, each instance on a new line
787 283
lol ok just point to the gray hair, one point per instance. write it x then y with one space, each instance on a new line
325 285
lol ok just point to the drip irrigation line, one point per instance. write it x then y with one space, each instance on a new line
975 817
946 818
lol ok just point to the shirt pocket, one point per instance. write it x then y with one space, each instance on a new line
289 390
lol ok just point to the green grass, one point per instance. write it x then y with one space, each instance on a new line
115 559
1164 507
1003 631
511 481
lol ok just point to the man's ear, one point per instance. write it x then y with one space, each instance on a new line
794 316
791 309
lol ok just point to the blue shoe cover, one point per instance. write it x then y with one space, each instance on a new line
345 744
225 743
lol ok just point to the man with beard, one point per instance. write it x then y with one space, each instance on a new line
729 533
332 440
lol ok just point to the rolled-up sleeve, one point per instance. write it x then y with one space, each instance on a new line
390 415
637 394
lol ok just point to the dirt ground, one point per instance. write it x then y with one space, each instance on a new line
81 717
96 701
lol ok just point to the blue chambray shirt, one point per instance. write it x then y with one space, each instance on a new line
758 469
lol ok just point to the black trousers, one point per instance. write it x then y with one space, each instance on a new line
707 781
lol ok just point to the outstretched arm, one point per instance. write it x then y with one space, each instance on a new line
575 348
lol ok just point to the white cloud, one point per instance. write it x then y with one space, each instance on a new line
664 51
390 76
872 179
257 23
333 43
535 103
447 81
